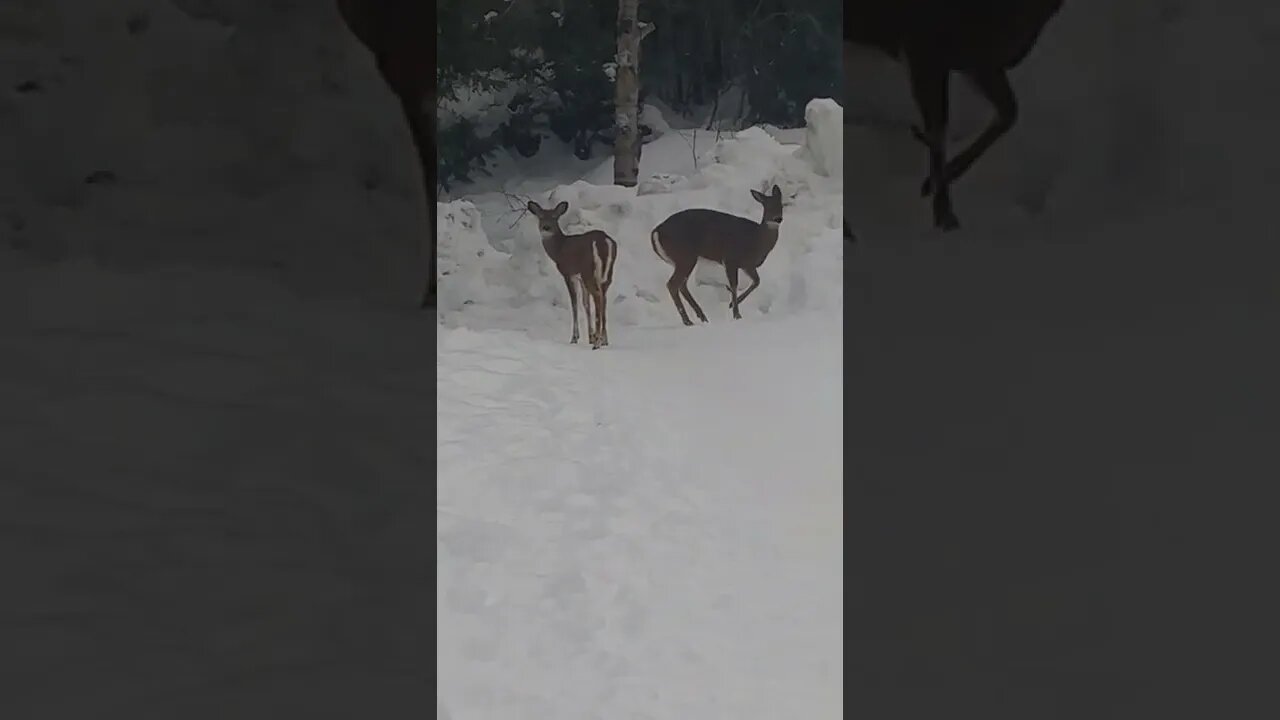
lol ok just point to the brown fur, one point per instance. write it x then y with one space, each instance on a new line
588 258
734 242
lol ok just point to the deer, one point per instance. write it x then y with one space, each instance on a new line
586 259
981 40
397 34
728 240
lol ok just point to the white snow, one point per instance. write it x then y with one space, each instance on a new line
824 137
653 529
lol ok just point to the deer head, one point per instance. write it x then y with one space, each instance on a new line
548 220
772 206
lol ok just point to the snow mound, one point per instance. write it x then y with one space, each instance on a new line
518 287
469 265
652 118
660 183
824 137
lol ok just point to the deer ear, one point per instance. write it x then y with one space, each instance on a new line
562 208
758 196
533 207
777 192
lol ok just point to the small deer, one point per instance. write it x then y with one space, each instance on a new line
734 242
586 259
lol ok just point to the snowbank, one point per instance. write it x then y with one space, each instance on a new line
824 137
504 279
470 265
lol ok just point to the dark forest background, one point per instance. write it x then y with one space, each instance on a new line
730 62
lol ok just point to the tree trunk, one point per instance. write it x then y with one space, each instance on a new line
626 149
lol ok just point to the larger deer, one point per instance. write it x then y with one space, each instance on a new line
979 39
398 34
734 242
585 260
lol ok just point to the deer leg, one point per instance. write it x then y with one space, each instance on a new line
604 316
588 299
598 298
675 286
594 292
732 272
755 283
994 86
573 304
929 87
684 290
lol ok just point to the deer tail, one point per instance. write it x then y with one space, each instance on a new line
603 255
657 248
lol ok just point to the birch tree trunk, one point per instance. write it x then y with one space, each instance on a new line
626 148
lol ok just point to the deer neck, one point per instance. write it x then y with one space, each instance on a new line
768 236
553 241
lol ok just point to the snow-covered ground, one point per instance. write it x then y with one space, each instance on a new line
653 529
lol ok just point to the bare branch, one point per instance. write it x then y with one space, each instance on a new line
518 205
